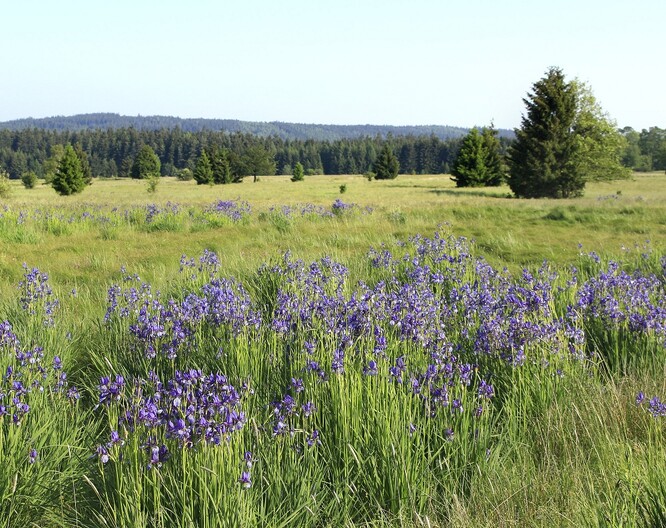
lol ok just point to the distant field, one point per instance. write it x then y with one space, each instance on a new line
507 231
439 356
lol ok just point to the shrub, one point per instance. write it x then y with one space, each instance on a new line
153 181
29 180
184 175
298 173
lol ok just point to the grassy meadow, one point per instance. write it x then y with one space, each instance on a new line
405 353
508 232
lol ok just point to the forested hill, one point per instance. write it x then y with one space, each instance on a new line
288 131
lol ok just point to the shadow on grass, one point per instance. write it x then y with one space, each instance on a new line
484 194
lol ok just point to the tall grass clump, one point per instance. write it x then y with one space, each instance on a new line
43 426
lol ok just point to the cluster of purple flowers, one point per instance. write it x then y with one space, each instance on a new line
190 410
26 374
438 295
169 328
154 211
207 265
452 310
654 405
155 216
339 208
291 412
618 299
37 296
125 300
234 210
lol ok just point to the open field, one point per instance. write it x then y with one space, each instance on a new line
387 371
508 232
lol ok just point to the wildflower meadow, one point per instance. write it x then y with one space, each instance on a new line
332 361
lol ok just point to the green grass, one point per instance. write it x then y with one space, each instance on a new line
508 231
563 442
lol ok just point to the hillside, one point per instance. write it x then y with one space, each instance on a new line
279 129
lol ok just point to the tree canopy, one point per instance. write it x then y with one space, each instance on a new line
256 161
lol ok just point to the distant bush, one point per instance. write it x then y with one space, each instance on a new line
29 180
298 174
343 188
184 175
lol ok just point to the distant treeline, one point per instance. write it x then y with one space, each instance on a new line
111 152
645 150
278 129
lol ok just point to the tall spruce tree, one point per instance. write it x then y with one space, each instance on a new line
69 177
544 159
386 165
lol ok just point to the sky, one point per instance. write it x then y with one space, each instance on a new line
384 62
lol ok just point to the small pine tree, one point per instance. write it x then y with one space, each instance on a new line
479 161
470 169
203 171
496 172
299 173
69 178
146 163
220 167
387 165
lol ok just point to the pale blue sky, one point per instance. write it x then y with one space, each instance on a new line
408 62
